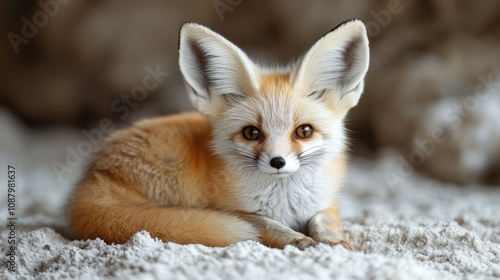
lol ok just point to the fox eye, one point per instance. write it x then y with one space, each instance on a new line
303 131
251 133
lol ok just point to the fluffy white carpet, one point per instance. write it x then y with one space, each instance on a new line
419 229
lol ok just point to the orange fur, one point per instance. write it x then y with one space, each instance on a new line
275 83
143 178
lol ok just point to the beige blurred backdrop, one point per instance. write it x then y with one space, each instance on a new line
432 91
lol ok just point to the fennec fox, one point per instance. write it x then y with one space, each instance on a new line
262 160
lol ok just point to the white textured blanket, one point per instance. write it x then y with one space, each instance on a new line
418 229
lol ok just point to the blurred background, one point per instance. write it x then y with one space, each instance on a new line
432 92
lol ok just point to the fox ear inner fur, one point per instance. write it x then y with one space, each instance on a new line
335 66
213 67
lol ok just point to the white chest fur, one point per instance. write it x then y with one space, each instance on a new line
292 201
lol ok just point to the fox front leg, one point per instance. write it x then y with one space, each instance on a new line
324 227
275 234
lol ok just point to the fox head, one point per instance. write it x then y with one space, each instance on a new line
275 122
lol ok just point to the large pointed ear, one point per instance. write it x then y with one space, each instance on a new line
335 66
216 71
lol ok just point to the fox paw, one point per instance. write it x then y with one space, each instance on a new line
343 243
303 242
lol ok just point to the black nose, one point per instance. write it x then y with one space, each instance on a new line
278 162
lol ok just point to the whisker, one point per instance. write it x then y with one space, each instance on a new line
309 151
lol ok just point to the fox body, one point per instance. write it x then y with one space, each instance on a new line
262 160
